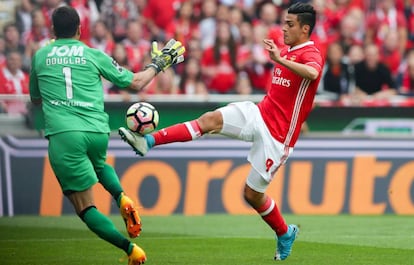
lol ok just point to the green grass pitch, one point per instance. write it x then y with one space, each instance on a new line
212 239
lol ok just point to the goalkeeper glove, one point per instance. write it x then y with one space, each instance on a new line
171 54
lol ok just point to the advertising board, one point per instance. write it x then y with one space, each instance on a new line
322 176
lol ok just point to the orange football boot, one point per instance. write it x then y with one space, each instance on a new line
137 256
130 215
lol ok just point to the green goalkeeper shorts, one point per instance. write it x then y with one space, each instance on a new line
75 157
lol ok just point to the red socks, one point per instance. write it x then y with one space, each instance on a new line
181 132
272 216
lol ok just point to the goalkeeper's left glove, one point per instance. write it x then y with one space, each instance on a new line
171 54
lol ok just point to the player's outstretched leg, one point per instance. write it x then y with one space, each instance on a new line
130 215
285 242
137 256
136 141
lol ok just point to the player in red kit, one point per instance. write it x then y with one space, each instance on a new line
273 125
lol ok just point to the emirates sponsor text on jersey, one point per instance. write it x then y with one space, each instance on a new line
278 80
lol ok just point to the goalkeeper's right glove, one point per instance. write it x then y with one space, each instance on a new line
171 54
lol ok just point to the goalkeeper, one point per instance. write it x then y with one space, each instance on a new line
66 79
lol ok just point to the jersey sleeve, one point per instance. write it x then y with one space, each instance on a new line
33 84
112 71
313 59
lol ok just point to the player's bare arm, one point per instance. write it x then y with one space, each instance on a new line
141 79
303 70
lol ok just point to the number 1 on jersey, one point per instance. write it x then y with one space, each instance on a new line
67 72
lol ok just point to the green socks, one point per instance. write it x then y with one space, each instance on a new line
110 181
101 225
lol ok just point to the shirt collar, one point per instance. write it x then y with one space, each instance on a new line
293 48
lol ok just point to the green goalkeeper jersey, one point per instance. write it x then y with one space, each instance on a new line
67 76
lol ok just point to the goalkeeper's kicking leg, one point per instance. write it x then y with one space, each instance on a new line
77 173
243 121
110 181
102 226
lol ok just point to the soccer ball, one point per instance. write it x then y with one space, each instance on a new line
142 118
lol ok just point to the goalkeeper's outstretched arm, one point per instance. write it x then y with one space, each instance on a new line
141 79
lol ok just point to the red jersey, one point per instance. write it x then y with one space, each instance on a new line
225 78
162 13
290 98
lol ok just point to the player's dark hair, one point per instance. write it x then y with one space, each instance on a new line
65 22
306 14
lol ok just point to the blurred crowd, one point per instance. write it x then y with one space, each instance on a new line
368 44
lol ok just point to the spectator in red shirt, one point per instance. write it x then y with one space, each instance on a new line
327 24
184 27
13 81
159 15
135 45
268 18
38 36
39 32
390 53
219 65
350 32
386 18
88 14
191 82
259 68
101 38
406 77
